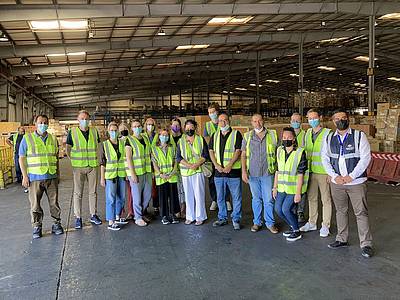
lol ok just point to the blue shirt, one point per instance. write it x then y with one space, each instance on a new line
23 149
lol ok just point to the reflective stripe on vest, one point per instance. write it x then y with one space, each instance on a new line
300 138
229 150
187 154
140 157
313 150
84 153
165 163
287 171
271 143
41 157
210 128
114 168
351 151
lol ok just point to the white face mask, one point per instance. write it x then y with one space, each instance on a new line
225 128
258 130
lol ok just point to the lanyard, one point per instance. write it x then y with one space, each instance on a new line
342 143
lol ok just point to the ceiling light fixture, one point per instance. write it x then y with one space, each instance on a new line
63 54
326 68
24 61
274 60
272 81
241 89
253 84
334 40
229 20
393 16
187 47
38 77
51 25
142 55
238 50
280 29
3 37
394 79
161 32
360 84
331 89
170 64
130 71
294 75
363 58
323 23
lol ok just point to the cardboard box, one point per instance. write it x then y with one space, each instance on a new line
380 124
375 144
390 146
383 106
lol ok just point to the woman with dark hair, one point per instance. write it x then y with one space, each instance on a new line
192 152
176 134
290 182
165 171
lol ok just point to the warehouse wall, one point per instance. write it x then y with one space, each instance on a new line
16 106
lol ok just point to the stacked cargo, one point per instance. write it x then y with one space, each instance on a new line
60 133
388 127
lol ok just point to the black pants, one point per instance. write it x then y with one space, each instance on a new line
18 172
169 200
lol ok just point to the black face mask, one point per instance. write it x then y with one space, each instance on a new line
342 124
190 132
124 132
287 143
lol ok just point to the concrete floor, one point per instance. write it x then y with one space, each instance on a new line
182 262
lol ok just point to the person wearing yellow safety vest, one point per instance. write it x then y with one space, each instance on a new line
38 158
112 176
176 134
138 170
165 171
225 150
150 133
290 182
258 170
191 153
209 129
295 123
15 141
81 147
319 180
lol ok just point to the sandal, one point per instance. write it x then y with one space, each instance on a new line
198 223
188 222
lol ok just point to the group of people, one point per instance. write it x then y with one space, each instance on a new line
169 167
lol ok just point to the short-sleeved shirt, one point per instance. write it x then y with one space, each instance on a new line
205 133
103 157
302 168
18 142
23 150
234 173
204 153
85 135
258 165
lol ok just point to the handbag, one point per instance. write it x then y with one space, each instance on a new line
206 167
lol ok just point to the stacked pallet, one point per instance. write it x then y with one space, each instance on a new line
388 127
58 130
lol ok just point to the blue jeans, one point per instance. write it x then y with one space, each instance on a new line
284 204
261 190
235 188
115 197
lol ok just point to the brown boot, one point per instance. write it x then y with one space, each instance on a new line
273 229
255 228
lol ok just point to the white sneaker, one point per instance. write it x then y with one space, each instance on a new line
324 231
308 227
228 206
213 206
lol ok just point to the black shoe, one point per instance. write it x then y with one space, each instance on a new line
287 233
337 244
300 217
37 232
367 252
57 229
78 223
165 221
294 236
95 220
219 223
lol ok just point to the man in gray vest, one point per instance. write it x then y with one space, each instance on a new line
345 156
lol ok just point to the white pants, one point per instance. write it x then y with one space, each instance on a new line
194 187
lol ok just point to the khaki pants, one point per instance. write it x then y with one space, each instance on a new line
80 176
36 190
315 183
358 198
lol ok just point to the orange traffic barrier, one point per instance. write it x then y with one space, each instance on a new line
385 167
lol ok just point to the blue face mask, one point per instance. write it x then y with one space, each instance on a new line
314 123
163 139
295 125
225 128
84 123
137 131
42 128
213 116
113 134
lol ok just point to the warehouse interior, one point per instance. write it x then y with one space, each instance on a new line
129 59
